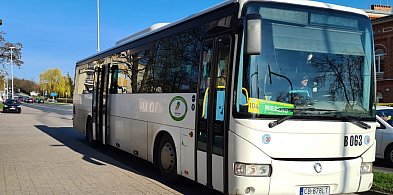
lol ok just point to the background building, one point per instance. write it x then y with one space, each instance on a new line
381 17
378 11
383 44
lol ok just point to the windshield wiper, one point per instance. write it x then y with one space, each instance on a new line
300 110
356 121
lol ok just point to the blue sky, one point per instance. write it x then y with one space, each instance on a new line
57 33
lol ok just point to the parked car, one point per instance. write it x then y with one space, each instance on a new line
11 105
20 99
25 99
41 101
384 133
52 100
30 100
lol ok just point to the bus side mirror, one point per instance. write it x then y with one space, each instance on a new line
253 34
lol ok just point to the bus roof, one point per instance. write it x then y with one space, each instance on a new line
144 33
319 5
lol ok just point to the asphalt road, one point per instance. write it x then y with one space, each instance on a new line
46 113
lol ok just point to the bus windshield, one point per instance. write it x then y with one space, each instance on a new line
318 61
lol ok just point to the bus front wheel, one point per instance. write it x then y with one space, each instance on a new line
167 159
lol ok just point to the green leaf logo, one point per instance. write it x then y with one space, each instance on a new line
178 108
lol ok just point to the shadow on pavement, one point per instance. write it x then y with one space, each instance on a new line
383 165
110 155
373 193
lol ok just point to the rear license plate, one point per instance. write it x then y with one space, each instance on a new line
318 190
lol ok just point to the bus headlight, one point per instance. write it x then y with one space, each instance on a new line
259 170
366 167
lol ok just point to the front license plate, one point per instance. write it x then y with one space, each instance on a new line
12 108
319 190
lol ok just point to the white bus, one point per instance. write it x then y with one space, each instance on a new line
216 98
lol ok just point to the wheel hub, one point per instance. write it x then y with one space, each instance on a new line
167 157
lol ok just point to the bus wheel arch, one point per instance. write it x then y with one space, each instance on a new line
165 157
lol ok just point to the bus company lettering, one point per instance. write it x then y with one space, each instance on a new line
273 108
152 107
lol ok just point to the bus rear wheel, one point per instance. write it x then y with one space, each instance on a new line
167 159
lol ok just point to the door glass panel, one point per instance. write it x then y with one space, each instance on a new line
223 49
207 55
114 78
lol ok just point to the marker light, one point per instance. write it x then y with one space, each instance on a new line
366 167
258 170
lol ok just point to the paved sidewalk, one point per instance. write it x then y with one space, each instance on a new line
34 161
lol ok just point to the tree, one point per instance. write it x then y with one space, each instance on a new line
52 80
5 52
25 86
5 56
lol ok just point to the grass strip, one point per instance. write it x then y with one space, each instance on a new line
383 182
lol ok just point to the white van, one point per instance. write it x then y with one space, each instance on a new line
384 133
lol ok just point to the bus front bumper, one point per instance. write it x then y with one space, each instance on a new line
302 177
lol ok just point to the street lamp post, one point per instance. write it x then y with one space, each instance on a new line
44 88
12 74
4 72
66 97
6 81
98 25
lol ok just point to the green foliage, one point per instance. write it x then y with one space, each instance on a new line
52 80
1 81
383 182
25 86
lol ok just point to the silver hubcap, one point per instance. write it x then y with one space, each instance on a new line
168 157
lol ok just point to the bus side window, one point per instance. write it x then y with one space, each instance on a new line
220 101
222 75
114 79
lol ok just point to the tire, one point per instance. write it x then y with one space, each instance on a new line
89 133
167 159
389 154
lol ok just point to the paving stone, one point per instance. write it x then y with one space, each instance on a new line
33 160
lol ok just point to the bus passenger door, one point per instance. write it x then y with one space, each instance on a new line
99 103
212 112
